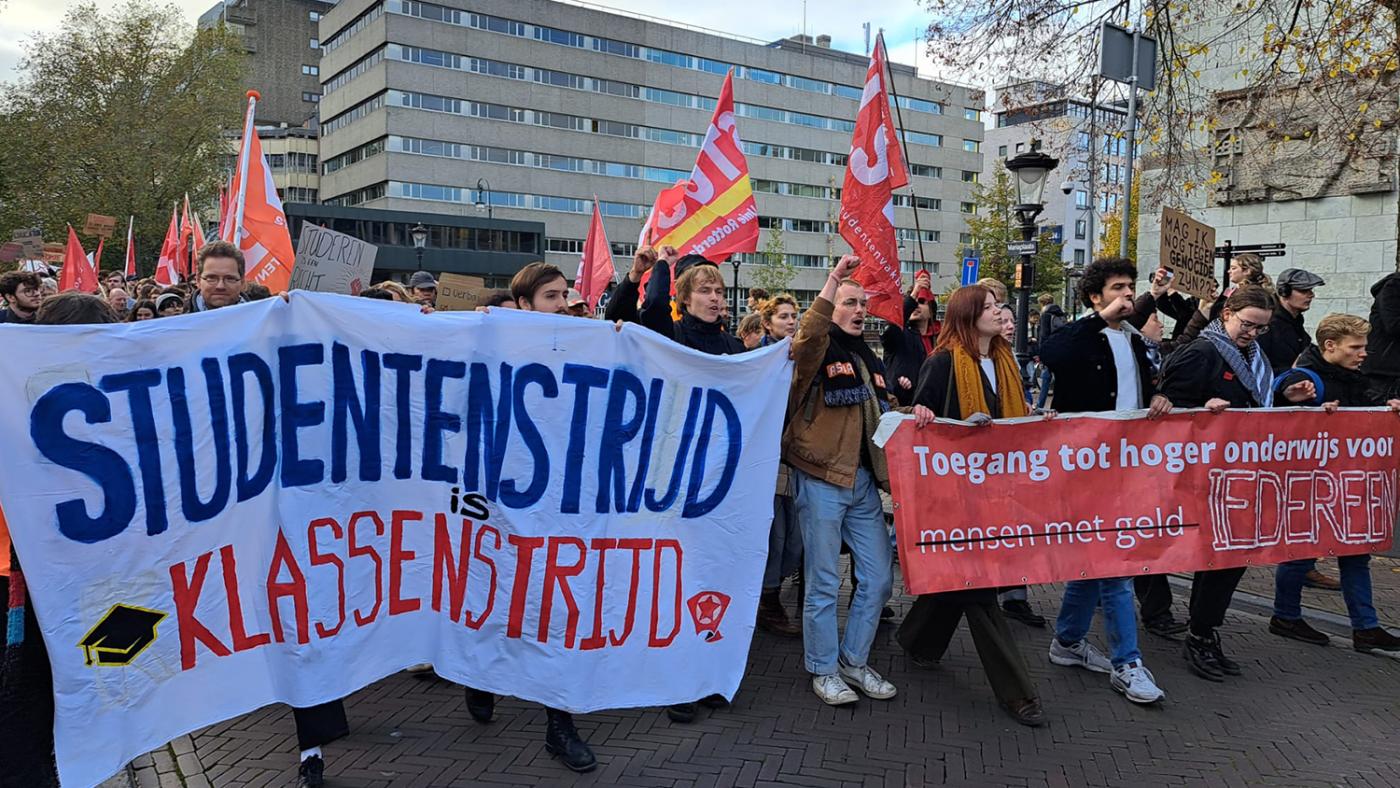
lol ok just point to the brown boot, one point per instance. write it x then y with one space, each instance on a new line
1316 579
773 618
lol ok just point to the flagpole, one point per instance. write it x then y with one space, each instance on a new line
904 143
236 237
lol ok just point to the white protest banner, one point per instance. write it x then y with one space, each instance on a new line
332 262
319 493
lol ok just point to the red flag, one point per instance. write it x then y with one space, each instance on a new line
225 203
77 272
130 249
875 169
595 268
715 215
183 249
97 259
259 225
167 269
198 226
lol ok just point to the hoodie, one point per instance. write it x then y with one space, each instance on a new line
1383 346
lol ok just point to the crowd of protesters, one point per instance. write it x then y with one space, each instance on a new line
1247 348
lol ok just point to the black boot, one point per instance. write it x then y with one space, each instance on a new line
561 739
481 705
773 618
684 713
311 773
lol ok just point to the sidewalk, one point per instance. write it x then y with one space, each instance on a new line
1301 716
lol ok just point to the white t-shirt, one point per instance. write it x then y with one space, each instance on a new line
990 370
1129 397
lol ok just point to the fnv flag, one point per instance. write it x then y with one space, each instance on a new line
875 169
256 222
715 215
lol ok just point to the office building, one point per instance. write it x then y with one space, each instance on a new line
281 38
1088 142
527 109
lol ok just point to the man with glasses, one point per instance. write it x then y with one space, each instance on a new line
220 280
21 291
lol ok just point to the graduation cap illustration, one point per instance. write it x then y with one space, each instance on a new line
121 635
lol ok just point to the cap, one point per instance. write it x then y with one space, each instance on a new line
165 298
575 297
423 280
689 261
121 635
925 294
1298 279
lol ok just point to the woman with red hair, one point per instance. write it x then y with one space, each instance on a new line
972 376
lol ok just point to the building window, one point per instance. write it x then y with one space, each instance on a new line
315 43
314 16
311 97
1001 151
972 114
310 71
1079 257
967 207
969 176
1081 199
965 239
1081 140
1080 229
564 245
1020 146
972 146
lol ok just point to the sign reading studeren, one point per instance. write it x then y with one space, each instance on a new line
1188 251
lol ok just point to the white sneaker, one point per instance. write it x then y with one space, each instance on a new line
1136 683
868 681
1080 655
832 690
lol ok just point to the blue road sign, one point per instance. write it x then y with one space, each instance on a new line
971 267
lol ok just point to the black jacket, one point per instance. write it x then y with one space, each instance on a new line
904 354
1052 319
655 313
1348 387
937 389
1085 378
1383 346
1197 373
1286 340
8 316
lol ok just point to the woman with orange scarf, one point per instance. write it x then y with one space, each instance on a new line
972 376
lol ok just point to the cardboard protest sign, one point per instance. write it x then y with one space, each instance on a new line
322 492
53 253
10 252
332 262
31 243
459 293
1026 502
99 225
1188 251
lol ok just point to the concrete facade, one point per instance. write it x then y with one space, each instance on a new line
1349 239
283 45
1063 126
548 104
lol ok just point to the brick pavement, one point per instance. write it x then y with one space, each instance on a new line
1302 716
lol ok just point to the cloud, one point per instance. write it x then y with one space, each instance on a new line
24 18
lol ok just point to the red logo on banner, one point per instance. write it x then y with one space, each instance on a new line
707 611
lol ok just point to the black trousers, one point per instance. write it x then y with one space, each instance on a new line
933 619
1154 595
1211 593
26 708
319 725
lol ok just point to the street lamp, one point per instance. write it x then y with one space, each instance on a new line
483 203
734 261
1030 171
419 233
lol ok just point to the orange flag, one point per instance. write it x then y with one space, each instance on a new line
167 269
259 226
184 250
130 248
595 269
77 272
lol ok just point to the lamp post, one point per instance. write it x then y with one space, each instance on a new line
419 233
483 187
734 261
1030 171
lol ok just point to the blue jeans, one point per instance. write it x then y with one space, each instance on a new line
828 515
784 544
1115 594
1044 387
1355 573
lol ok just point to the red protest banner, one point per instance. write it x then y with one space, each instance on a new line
1087 497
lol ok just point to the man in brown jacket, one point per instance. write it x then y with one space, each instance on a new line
837 396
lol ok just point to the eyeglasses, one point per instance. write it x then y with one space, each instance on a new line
1257 329
216 280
